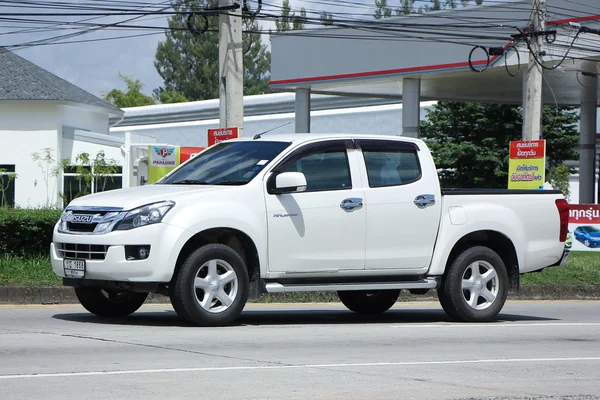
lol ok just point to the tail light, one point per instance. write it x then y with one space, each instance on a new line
563 212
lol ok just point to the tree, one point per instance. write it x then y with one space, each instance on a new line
46 161
470 141
188 62
133 97
282 23
90 173
257 61
326 18
5 180
169 97
382 10
436 6
406 7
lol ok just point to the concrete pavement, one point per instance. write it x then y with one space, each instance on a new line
316 351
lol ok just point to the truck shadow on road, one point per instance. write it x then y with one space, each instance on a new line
271 317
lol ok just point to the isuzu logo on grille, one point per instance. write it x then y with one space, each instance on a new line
82 219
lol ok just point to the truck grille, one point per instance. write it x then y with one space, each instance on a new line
81 227
82 251
83 220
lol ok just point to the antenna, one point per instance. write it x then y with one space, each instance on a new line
257 136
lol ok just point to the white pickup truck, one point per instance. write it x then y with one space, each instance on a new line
361 215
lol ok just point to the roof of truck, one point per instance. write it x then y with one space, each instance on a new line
307 137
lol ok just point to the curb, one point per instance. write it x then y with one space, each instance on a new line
51 295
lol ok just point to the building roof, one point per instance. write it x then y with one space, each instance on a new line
255 105
23 80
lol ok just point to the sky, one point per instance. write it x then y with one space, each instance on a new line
94 66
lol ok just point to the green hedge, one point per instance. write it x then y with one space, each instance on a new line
27 232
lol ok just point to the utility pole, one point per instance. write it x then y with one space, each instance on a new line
231 68
532 124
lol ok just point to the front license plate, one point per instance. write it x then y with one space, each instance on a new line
74 268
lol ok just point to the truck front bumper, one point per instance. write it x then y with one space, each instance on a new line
104 256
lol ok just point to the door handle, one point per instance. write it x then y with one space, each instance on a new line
351 204
424 200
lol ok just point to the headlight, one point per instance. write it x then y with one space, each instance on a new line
146 215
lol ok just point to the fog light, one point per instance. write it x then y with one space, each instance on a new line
137 252
143 253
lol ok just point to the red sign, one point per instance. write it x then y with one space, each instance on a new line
527 149
221 134
584 213
185 153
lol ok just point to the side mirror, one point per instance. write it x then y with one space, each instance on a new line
290 182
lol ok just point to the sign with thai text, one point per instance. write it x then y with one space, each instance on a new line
527 164
221 134
584 227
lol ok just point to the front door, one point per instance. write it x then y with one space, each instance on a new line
318 230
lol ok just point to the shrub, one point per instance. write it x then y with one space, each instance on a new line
27 232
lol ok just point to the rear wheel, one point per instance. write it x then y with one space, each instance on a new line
109 303
369 302
211 287
475 286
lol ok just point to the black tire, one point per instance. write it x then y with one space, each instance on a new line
185 296
369 302
109 303
485 298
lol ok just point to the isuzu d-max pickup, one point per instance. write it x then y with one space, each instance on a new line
361 215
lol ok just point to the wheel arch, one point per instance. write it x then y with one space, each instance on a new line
239 241
495 241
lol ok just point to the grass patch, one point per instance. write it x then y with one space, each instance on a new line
583 268
27 271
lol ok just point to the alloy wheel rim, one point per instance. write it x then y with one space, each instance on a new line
480 285
215 286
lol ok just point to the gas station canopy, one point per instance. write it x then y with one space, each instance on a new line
372 59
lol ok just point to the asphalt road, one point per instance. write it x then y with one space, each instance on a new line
536 350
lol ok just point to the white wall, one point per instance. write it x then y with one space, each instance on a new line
28 127
23 131
84 119
71 148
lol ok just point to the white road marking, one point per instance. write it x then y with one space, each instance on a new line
502 324
300 366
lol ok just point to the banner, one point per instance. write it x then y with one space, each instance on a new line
527 164
163 159
185 153
584 227
221 134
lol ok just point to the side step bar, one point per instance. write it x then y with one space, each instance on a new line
274 287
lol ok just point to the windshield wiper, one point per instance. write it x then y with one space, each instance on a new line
230 183
190 182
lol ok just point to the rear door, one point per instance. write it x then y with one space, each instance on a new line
313 231
403 205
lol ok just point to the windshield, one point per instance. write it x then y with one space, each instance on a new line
227 163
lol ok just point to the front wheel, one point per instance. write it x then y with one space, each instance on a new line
109 303
475 286
369 302
211 287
